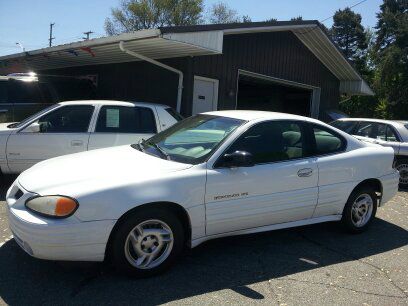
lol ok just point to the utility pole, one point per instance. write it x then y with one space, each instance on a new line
51 38
87 35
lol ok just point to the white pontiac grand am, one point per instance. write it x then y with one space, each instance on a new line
212 175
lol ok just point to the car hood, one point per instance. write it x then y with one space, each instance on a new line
96 169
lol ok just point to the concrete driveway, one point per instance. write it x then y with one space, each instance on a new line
313 265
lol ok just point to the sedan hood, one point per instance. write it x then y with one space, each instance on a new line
97 169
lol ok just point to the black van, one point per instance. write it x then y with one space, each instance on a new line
22 95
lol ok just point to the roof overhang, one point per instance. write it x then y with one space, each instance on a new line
173 42
317 41
150 43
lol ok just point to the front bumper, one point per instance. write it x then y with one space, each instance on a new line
389 184
56 239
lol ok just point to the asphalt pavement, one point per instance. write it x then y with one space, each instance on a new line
311 265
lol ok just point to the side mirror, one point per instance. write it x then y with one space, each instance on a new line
237 159
33 128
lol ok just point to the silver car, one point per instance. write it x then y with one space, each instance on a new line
384 132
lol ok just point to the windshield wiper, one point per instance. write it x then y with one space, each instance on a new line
158 148
141 144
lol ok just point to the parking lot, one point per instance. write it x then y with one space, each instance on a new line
312 265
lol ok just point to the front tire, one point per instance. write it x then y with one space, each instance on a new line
147 242
360 210
402 167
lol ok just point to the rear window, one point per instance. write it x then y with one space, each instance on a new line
124 119
172 112
345 126
327 142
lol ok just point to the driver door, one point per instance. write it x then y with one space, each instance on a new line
280 187
60 132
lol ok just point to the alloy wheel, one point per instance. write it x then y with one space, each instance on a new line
362 210
403 170
149 244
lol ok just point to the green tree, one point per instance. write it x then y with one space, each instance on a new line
298 18
132 15
221 13
271 20
391 58
350 36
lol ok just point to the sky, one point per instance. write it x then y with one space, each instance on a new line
27 21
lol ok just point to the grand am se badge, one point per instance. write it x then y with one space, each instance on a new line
229 196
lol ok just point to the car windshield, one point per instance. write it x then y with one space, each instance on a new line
192 140
345 126
28 119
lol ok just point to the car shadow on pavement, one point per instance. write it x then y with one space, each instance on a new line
233 263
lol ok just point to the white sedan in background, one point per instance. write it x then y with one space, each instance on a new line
71 127
211 175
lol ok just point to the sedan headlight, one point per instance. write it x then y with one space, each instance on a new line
52 206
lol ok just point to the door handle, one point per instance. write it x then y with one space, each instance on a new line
305 172
77 143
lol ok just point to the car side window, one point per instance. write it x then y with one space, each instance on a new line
67 119
126 119
365 129
272 141
327 141
391 136
380 131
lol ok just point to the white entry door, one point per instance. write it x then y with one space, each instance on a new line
205 95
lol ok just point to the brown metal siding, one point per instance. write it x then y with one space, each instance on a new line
279 54
276 54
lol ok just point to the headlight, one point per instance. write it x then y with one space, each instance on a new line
53 206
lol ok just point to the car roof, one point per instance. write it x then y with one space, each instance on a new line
250 115
112 102
393 122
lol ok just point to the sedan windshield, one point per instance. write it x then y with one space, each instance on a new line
25 121
192 140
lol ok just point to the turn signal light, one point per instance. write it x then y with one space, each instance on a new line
52 206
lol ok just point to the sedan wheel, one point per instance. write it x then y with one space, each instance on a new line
402 167
360 209
146 242
149 244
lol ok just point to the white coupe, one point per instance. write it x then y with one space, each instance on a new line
71 127
211 175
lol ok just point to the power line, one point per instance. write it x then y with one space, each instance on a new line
354 5
323 20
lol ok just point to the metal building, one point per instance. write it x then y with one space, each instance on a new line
286 66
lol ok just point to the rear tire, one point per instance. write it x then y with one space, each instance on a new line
402 166
147 242
360 210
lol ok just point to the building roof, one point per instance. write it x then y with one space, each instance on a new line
180 41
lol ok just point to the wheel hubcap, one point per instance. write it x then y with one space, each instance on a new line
403 171
149 244
362 210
